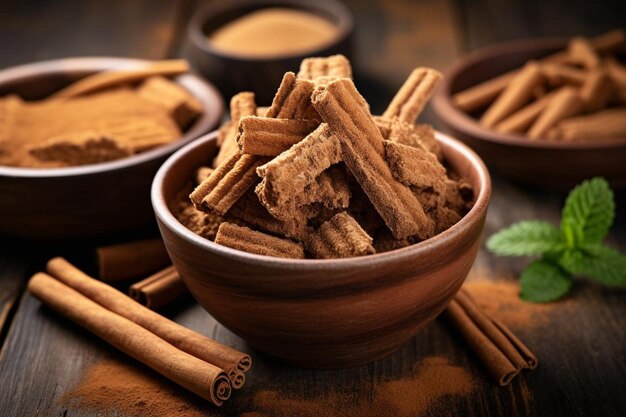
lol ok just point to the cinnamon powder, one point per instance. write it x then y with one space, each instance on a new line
113 385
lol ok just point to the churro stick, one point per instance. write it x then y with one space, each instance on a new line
515 95
241 105
480 95
248 240
289 173
227 184
362 149
410 100
601 125
293 98
250 210
410 134
565 103
581 52
178 102
107 79
324 70
80 149
596 90
416 167
339 237
521 120
267 136
558 74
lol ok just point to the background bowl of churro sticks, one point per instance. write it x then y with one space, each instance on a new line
548 112
67 187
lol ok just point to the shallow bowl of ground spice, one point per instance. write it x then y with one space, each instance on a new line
93 199
249 45
323 313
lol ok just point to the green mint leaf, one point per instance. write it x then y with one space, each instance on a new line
525 239
590 208
598 262
542 282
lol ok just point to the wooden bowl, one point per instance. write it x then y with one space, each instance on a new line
233 72
89 200
538 162
323 313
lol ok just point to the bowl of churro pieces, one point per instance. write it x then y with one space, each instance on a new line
548 112
322 234
81 140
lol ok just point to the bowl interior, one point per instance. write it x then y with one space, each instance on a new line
177 171
39 80
216 15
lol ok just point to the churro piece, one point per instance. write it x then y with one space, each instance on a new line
482 94
227 184
267 136
201 223
202 174
80 149
250 211
410 134
178 102
411 98
241 105
362 149
107 79
596 90
339 237
605 124
293 99
459 195
565 103
515 95
385 242
522 119
248 240
289 173
415 167
558 74
581 52
324 70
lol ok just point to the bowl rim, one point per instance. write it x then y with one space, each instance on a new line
345 26
458 119
208 120
164 216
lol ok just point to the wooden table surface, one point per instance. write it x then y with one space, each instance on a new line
582 350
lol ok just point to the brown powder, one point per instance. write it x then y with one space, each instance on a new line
274 31
500 299
120 387
114 385
434 380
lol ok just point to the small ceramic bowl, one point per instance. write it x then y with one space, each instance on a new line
90 200
323 313
537 162
234 73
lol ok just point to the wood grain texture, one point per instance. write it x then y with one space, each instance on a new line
582 370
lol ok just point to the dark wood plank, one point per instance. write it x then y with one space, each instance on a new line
34 30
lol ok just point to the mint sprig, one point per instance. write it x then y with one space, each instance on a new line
574 249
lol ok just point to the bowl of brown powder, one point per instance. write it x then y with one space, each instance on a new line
249 45
319 233
81 139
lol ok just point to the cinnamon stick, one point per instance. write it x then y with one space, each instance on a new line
131 260
225 357
204 379
565 103
501 351
107 79
480 95
159 289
